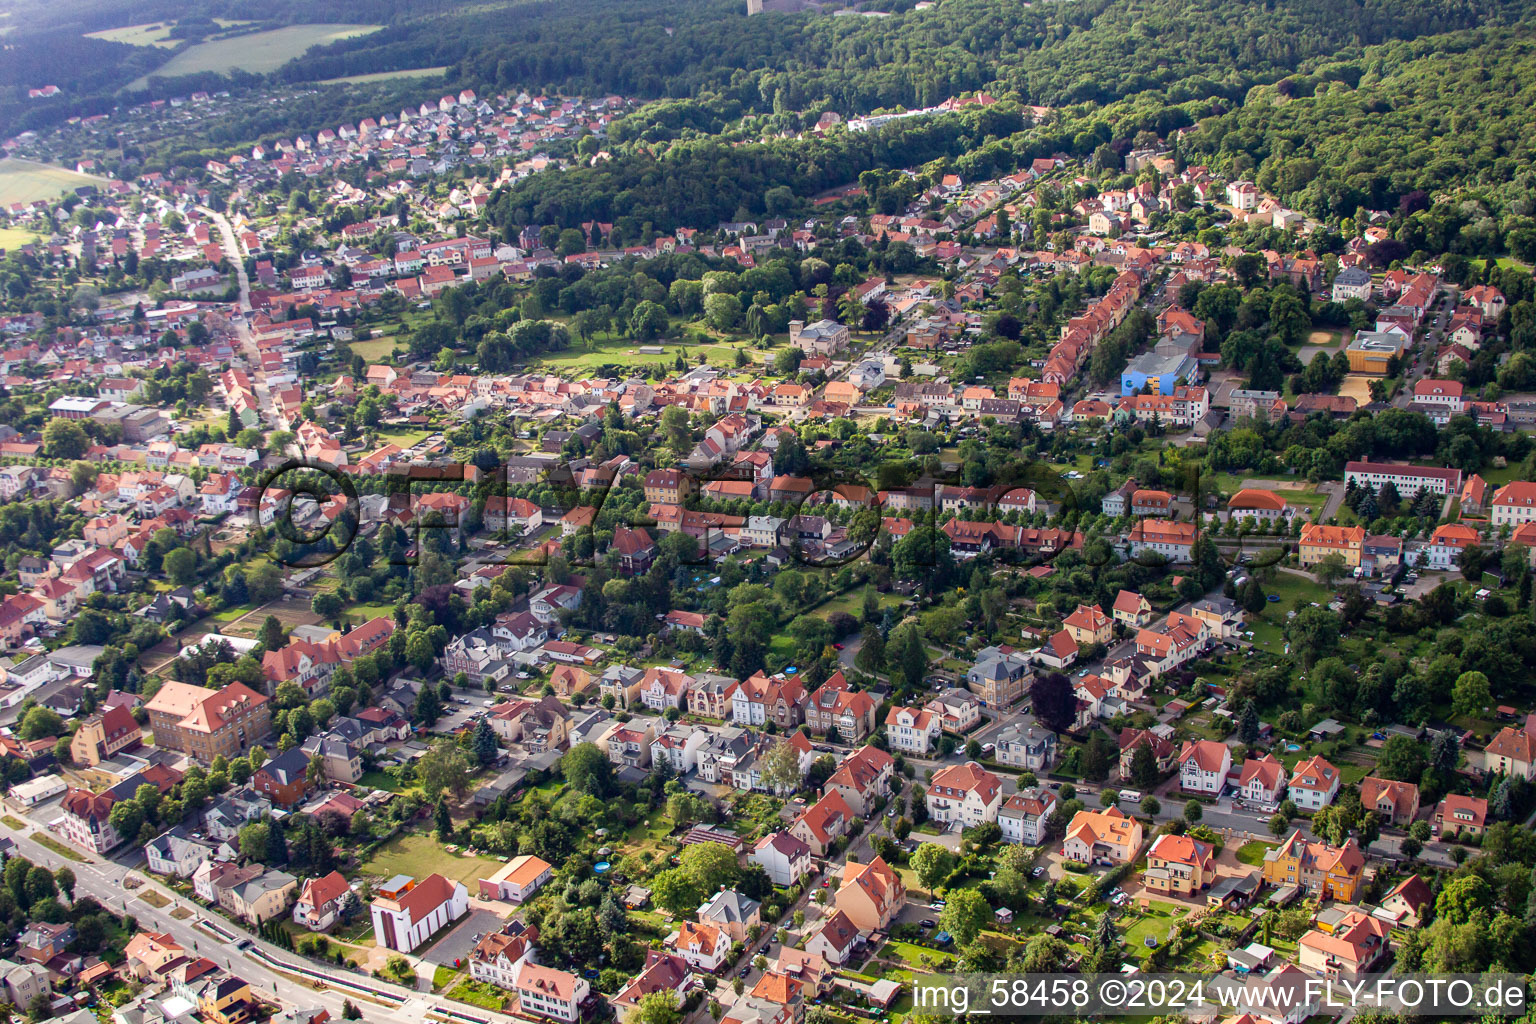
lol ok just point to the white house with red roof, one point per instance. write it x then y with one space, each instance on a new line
1256 503
1060 651
320 901
1447 543
1203 767
1262 780
964 794
1314 784
1513 504
1445 394
912 730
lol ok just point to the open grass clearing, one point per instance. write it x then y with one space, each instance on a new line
375 350
420 856
26 181
258 52
154 33
15 238
385 76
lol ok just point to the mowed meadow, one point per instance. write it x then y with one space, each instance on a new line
258 52
24 181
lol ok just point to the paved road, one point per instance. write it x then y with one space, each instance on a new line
104 879
232 250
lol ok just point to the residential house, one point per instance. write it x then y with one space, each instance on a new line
1089 625
1203 767
1318 541
871 895
784 857
549 993
1261 780
1354 946
103 735
702 945
1025 745
517 880
1323 871
321 901
1094 836
176 852
823 823
1395 803
912 730
964 795
284 779
1179 866
1314 784
1408 901
1463 815
835 940
999 676
1023 816
732 913
863 777
205 723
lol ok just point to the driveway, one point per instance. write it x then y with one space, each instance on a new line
457 944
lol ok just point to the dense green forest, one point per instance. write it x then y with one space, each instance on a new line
1426 115
1051 54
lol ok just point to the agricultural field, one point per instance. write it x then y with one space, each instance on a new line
385 76
258 52
155 33
24 181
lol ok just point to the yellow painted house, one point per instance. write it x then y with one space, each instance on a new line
1319 541
1327 872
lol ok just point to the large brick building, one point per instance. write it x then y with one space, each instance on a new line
206 723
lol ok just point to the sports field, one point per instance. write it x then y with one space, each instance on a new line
22 181
258 52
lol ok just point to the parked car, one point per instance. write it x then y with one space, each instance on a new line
926 922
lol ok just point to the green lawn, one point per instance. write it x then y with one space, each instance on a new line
443 976
1154 922
479 993
64 851
375 350
420 856
357 613
380 780
1295 592
14 238
582 358
403 437
384 76
1252 853
23 181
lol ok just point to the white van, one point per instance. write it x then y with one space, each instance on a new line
1130 796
